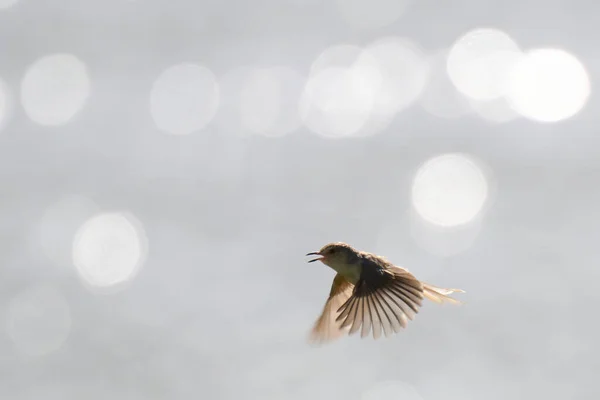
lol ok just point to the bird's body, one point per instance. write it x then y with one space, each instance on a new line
369 293
350 272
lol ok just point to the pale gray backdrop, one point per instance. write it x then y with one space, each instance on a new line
224 300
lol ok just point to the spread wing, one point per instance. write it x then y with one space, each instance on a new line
326 327
383 299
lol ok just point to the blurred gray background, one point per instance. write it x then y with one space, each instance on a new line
195 284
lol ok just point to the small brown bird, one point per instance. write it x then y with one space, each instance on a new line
369 293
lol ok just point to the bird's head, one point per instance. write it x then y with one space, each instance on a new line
335 253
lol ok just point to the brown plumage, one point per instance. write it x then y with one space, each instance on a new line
370 294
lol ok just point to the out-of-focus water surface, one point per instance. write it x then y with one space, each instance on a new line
165 166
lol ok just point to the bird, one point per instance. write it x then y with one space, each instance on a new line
370 294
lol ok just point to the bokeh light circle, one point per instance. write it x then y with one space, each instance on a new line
38 320
548 85
337 101
55 88
184 99
403 73
109 249
269 101
341 55
346 57
353 91
480 61
449 190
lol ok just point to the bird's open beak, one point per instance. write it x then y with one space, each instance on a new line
315 253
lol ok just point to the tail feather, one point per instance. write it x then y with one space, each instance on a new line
440 295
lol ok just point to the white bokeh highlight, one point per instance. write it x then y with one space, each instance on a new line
55 88
341 56
184 99
480 61
403 70
338 101
229 117
38 320
373 14
449 190
58 226
392 390
354 91
548 85
340 91
269 101
352 56
109 249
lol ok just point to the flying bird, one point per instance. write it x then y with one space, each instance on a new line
369 293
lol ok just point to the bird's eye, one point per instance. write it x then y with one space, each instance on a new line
332 251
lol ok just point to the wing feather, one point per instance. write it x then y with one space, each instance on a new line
382 300
326 328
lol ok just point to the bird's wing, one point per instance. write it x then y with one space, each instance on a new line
326 328
383 299
440 295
